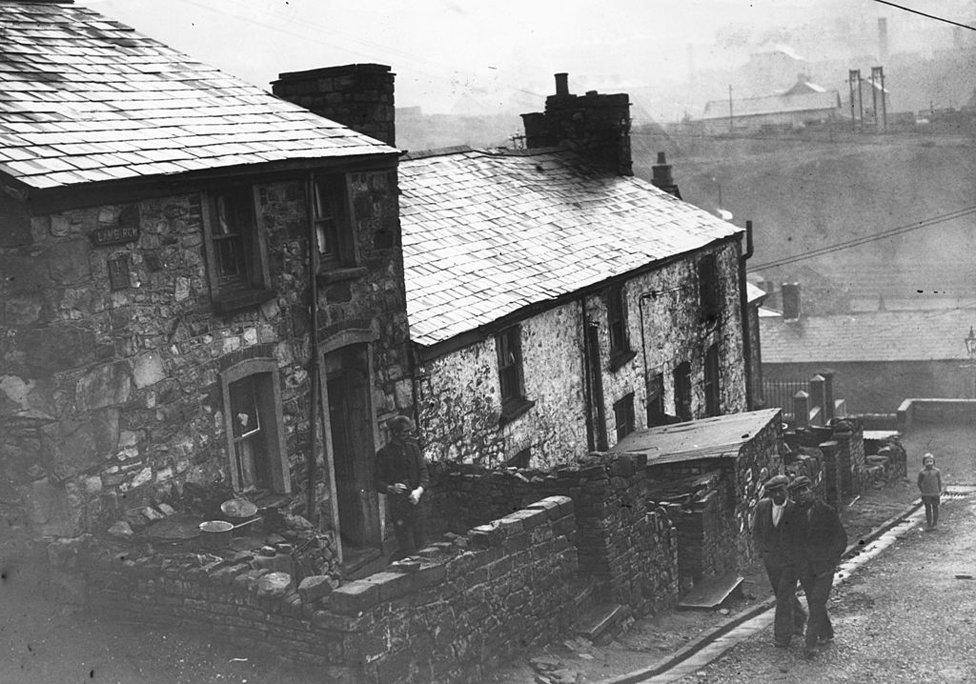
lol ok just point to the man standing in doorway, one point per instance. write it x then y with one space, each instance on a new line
769 534
819 540
401 474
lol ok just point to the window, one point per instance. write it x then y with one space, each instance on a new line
709 288
333 227
623 413
682 391
235 253
713 405
509 345
521 459
253 420
620 351
655 400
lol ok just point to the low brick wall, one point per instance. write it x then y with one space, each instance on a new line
938 411
506 585
626 545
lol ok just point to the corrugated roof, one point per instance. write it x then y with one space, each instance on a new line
717 437
485 233
86 99
874 336
781 103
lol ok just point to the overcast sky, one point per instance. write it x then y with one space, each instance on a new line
457 55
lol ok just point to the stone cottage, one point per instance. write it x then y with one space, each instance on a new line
164 228
556 302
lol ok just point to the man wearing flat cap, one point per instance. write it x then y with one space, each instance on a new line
818 542
771 535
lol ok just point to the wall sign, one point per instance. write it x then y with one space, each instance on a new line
118 273
114 235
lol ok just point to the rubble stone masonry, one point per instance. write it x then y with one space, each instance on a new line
110 356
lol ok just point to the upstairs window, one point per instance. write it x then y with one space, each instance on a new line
713 404
235 253
709 288
620 351
623 413
682 391
333 226
510 377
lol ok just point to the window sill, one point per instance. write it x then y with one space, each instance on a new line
241 299
514 409
619 358
337 275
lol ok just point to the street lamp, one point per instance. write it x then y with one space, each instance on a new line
970 341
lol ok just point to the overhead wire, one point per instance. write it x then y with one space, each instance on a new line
924 14
883 235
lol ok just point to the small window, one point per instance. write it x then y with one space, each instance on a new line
623 413
713 404
254 423
509 345
709 288
617 320
655 400
236 259
682 391
333 227
521 459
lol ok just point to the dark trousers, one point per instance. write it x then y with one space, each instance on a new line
789 616
931 509
408 526
817 588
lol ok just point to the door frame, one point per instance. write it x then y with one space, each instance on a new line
341 339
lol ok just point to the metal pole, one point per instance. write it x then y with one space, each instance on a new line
731 124
850 87
884 104
874 96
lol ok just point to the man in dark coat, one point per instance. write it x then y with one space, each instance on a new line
819 540
770 533
401 474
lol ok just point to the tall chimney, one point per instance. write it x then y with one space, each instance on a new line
359 96
661 176
595 126
883 38
790 292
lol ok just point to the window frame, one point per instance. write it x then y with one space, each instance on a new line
346 256
709 287
270 417
618 331
513 399
252 287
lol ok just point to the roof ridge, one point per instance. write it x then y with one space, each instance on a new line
437 152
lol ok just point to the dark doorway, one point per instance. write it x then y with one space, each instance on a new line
252 419
713 391
655 400
353 450
682 391
596 423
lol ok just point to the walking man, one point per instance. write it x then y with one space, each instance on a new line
819 540
769 531
930 487
401 474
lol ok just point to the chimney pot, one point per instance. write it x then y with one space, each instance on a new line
662 158
661 177
562 84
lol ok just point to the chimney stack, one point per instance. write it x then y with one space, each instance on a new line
661 176
359 96
883 38
790 292
595 126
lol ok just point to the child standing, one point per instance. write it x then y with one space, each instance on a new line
930 486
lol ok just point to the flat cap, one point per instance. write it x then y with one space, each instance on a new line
802 481
776 482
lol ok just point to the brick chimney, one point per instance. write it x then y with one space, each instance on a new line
595 126
661 176
359 96
790 292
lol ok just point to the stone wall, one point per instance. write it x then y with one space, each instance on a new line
459 392
625 544
504 586
110 398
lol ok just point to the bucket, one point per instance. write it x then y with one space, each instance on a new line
215 532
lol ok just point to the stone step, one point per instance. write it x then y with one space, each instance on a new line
711 593
603 620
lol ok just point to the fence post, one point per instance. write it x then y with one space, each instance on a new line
801 409
828 377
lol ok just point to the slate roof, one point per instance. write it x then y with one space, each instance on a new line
928 335
86 99
487 233
782 103
717 437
